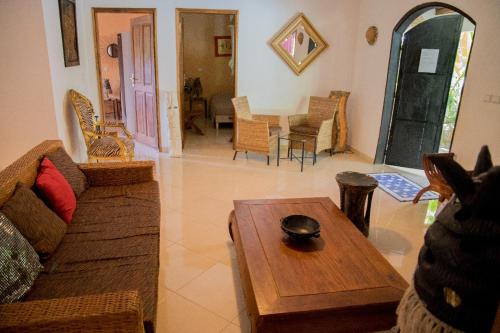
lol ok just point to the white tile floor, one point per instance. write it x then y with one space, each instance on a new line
199 288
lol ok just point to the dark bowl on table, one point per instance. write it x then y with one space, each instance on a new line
300 227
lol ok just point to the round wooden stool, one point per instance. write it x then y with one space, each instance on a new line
354 188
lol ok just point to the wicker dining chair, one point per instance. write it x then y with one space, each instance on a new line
255 133
339 131
316 126
437 182
101 138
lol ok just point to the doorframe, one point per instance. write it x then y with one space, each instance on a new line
180 83
393 69
152 11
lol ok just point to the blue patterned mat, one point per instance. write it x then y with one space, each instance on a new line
401 187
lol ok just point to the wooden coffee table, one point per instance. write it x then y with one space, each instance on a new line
336 283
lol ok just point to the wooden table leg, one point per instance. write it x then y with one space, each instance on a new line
230 224
191 124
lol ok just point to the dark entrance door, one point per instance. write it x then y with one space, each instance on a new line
426 67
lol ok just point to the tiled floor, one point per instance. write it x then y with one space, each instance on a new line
199 287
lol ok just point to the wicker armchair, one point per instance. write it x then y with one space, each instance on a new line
316 127
255 133
437 182
102 144
339 131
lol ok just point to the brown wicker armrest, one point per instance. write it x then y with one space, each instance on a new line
297 119
118 125
118 173
113 312
326 126
324 137
272 120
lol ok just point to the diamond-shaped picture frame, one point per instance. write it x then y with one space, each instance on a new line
288 37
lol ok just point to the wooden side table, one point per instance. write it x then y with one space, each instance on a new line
290 154
112 107
195 111
355 187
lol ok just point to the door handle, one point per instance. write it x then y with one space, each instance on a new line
132 79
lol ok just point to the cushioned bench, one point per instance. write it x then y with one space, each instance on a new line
111 246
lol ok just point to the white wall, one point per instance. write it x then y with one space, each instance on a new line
262 75
26 108
478 122
349 63
65 78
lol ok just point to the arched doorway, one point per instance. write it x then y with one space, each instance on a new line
430 52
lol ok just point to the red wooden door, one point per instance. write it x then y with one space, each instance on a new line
143 79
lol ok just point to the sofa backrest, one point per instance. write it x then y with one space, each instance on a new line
25 168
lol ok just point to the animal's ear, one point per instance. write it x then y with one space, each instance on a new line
488 195
483 162
456 176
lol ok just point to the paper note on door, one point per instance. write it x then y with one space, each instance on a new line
428 60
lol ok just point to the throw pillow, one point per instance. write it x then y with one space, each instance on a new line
42 227
75 177
56 191
19 263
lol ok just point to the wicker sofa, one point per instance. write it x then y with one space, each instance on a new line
103 277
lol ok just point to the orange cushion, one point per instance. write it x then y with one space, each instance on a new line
56 190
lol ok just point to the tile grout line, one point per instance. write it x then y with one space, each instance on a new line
199 305
195 277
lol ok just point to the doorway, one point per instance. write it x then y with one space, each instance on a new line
207 53
427 69
125 49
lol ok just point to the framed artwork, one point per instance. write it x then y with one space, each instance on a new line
67 15
223 46
298 43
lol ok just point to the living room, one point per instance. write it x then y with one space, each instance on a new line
199 286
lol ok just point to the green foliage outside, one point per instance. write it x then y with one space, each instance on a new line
457 83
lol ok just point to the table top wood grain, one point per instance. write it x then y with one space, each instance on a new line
339 271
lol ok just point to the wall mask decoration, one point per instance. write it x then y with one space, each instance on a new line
298 43
67 15
371 35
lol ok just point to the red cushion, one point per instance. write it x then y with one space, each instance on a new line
56 190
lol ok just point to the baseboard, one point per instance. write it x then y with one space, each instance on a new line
363 156
167 151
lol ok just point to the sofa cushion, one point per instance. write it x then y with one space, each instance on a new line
111 245
42 227
305 129
69 169
56 191
19 263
